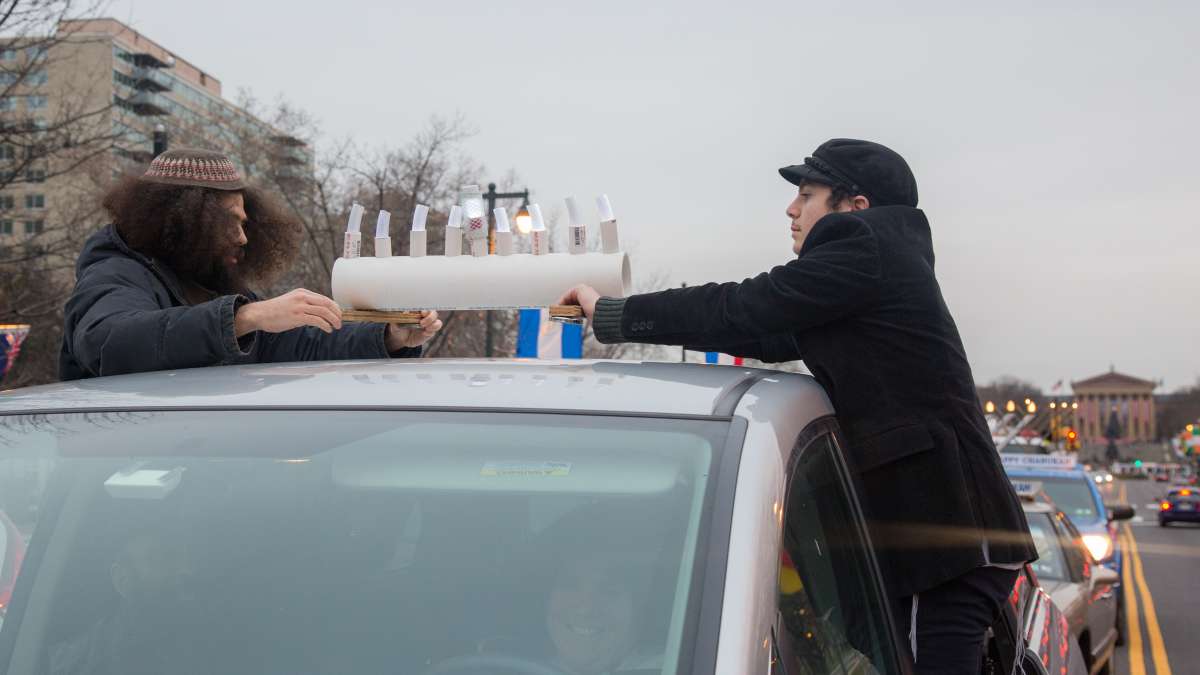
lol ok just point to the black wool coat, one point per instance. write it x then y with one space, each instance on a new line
128 314
862 307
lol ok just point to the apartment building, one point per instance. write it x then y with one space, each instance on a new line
102 84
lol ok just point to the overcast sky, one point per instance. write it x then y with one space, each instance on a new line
1055 149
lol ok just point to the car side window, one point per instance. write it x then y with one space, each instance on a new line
1073 548
832 614
1051 563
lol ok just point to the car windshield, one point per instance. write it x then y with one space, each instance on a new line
354 541
1050 563
1073 496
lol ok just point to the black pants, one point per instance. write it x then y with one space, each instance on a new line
952 620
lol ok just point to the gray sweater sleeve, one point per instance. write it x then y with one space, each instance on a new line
606 322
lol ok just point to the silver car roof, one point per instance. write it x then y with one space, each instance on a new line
585 386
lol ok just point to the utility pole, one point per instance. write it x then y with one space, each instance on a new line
683 350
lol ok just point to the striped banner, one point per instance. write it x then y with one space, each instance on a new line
540 338
717 358
11 337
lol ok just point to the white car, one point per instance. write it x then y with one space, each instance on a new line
449 517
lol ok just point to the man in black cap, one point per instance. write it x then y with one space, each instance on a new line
861 305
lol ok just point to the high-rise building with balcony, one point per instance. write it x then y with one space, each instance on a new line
116 87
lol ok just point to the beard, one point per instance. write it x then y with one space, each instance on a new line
216 272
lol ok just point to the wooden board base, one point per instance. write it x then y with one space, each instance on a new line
566 312
376 316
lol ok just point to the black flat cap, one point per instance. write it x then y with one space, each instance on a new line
875 171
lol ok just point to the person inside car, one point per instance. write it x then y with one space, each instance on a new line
593 614
147 630
600 582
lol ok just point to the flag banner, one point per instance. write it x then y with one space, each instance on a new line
11 337
528 323
717 358
538 337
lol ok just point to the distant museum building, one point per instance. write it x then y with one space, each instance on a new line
1124 402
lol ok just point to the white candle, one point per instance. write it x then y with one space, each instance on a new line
454 231
352 245
504 237
577 230
383 237
609 242
416 237
539 235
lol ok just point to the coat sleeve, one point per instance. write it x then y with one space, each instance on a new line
353 341
122 328
837 274
769 349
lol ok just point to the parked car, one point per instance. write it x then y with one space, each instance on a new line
1084 591
1180 504
1077 495
454 517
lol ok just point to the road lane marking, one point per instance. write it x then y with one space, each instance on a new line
1158 650
1133 627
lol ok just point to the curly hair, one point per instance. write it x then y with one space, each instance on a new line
187 228
838 193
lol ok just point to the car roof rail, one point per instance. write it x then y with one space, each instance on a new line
731 394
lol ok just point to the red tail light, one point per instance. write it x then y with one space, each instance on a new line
1165 506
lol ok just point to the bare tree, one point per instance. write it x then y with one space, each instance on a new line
429 169
1178 409
55 129
1008 388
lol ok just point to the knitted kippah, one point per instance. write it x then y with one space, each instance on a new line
199 168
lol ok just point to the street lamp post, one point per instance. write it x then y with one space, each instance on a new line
160 139
523 225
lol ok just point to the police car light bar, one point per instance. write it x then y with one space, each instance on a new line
1038 461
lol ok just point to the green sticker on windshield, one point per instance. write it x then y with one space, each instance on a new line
526 469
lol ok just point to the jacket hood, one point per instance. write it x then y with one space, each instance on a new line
108 244
105 244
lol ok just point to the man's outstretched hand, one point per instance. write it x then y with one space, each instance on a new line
304 308
291 310
583 295
399 337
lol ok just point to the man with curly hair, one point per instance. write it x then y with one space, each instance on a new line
167 284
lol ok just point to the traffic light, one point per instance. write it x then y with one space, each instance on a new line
1137 463
1072 439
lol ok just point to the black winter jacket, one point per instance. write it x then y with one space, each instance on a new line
128 314
862 307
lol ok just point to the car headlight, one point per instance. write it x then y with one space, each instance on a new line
1099 545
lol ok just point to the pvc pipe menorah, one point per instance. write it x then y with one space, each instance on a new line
406 283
